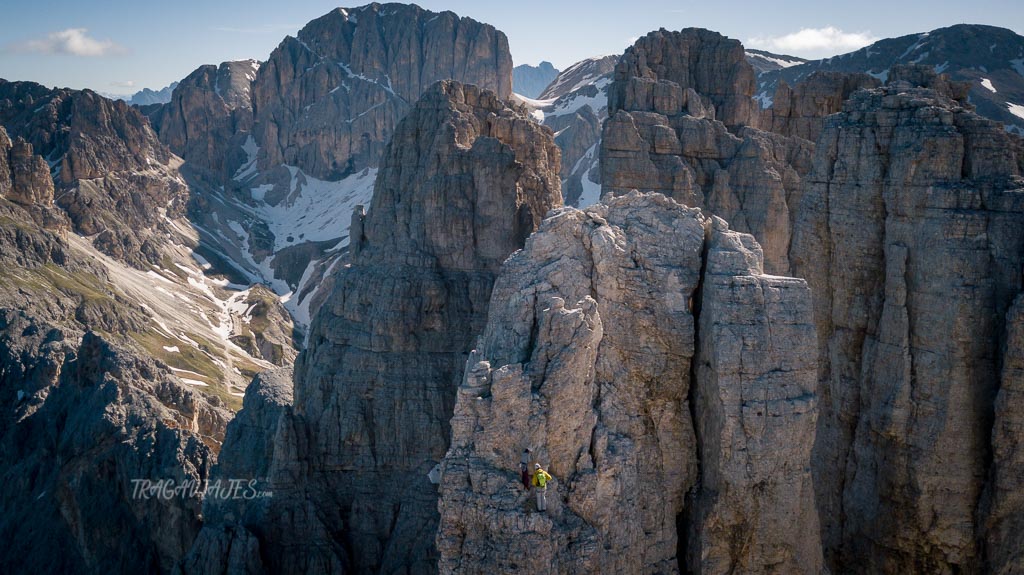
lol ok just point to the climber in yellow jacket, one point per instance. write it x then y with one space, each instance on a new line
540 483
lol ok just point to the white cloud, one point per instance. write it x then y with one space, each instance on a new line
814 41
123 84
72 41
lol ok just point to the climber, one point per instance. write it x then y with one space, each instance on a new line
540 481
524 468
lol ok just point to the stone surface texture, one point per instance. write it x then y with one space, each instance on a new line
800 110
588 359
682 123
328 99
755 412
910 236
209 116
111 175
112 417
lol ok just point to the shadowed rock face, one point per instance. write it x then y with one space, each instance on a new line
247 455
530 81
601 390
910 236
86 414
209 115
800 111
329 99
464 181
1003 505
111 418
111 174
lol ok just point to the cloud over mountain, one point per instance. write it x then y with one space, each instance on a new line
72 42
814 41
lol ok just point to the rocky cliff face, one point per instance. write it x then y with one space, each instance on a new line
1003 505
93 171
682 123
663 65
464 181
278 157
225 545
87 411
25 180
755 409
910 237
209 116
113 419
24 176
110 172
593 358
328 100
100 408
800 111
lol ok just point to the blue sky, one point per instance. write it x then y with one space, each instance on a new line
122 46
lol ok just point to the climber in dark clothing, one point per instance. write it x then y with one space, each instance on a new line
524 468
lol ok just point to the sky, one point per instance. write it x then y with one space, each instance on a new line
120 47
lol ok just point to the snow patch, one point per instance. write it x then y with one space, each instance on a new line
195 382
178 370
573 102
591 193
259 193
387 87
882 76
779 61
248 168
314 210
919 58
988 85
565 75
172 349
1016 109
913 47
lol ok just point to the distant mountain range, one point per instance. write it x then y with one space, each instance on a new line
990 59
530 81
145 96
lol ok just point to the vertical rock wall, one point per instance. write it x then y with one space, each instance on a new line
910 237
588 359
755 412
